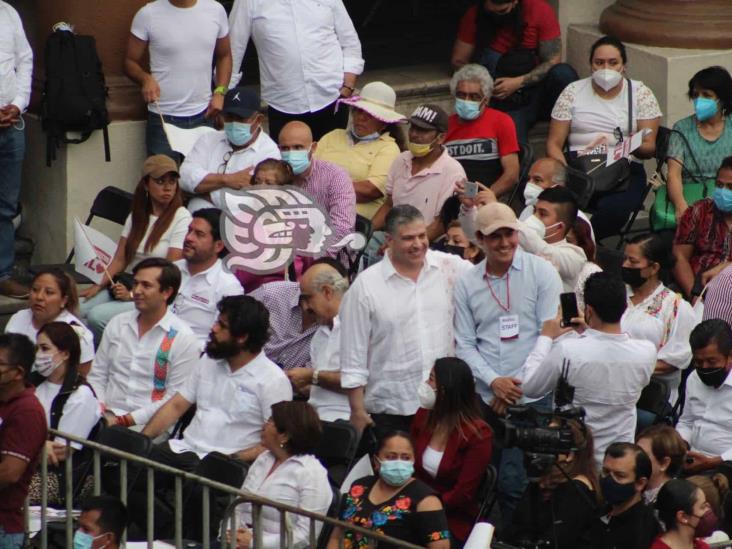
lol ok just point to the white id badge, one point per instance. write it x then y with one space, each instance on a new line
509 327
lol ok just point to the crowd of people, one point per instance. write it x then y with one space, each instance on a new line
469 308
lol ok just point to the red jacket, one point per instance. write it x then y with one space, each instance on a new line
461 470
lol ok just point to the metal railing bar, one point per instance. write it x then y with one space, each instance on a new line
69 474
150 508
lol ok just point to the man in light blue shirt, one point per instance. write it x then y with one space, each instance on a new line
500 306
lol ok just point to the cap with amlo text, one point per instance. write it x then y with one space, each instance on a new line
241 102
158 165
495 216
429 117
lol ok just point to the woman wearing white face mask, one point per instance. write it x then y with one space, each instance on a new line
70 403
590 115
453 445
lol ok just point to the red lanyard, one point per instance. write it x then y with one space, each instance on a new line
507 306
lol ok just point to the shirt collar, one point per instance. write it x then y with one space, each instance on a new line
388 270
436 168
166 323
254 146
210 273
517 264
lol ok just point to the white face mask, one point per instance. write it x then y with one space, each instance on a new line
607 79
531 193
427 396
45 364
535 224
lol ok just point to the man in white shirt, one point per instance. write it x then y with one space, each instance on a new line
204 280
182 37
309 56
706 424
607 368
396 320
147 354
16 70
225 159
321 291
233 389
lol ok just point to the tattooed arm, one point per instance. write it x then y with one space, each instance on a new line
550 53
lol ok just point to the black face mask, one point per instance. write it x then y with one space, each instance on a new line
632 277
712 377
614 492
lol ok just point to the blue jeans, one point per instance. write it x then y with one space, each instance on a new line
11 541
99 310
12 150
543 95
155 138
611 213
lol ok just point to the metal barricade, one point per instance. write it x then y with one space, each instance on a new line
149 467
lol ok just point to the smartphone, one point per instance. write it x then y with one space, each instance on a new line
569 308
471 189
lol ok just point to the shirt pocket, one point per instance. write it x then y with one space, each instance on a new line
243 402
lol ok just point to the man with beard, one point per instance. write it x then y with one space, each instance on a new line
519 42
233 388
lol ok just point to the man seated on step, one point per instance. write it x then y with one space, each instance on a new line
225 159
147 354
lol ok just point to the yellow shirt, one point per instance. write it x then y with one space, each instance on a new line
364 161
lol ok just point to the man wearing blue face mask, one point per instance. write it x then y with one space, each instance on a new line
225 159
482 139
703 243
101 524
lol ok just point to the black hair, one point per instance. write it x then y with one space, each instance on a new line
246 317
716 79
609 41
300 422
565 202
112 514
725 165
676 495
607 296
337 265
21 350
714 330
65 338
213 217
642 468
654 249
386 437
169 277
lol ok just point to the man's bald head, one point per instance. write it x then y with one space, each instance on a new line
321 290
295 136
548 172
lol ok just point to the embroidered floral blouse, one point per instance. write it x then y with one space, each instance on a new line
397 517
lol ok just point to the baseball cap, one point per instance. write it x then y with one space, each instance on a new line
241 102
158 165
429 117
494 216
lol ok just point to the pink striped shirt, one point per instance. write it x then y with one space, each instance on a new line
718 297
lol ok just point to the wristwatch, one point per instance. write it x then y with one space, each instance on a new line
220 90
314 381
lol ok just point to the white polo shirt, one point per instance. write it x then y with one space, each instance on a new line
199 295
325 356
124 373
231 407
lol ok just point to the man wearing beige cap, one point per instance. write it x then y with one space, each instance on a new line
500 306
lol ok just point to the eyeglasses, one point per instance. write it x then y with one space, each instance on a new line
618 135
227 157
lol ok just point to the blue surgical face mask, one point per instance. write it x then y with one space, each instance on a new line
298 160
396 472
365 138
82 540
705 108
238 133
723 199
467 110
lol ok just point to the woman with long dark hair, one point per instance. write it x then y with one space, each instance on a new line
156 227
452 443
687 515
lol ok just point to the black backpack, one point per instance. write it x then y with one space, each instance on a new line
74 96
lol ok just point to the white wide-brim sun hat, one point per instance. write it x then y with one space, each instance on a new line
377 99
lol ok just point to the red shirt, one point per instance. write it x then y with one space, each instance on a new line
540 25
703 227
23 432
659 544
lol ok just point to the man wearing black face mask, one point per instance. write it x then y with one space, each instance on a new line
629 522
706 424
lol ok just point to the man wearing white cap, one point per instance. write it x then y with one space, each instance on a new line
500 306
369 146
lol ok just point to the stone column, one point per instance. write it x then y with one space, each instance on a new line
692 24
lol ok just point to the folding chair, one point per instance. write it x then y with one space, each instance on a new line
126 440
112 204
337 449
654 401
487 493
327 529
526 159
363 226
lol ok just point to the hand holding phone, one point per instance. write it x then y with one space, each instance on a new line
568 302
471 189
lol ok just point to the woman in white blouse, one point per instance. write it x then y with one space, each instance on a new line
70 403
156 227
286 472
590 115
654 312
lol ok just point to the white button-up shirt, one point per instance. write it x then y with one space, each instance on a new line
210 154
199 295
325 356
304 47
125 374
706 423
300 481
393 329
16 60
608 372
231 407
